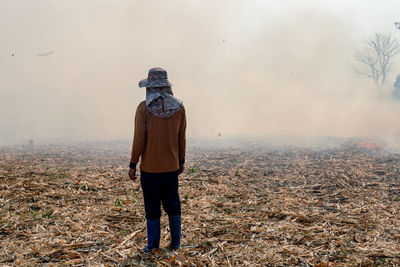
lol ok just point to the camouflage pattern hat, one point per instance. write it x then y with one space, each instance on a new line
157 78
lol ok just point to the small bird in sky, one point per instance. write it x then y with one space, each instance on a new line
45 54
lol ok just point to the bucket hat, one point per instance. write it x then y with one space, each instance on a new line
157 78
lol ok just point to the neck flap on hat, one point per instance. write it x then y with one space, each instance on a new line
161 102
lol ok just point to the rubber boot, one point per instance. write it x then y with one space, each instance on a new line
153 235
175 229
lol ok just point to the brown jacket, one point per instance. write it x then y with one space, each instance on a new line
161 143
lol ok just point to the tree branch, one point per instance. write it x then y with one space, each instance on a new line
377 55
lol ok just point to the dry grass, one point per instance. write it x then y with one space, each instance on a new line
253 206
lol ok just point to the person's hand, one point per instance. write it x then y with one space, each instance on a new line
132 174
181 168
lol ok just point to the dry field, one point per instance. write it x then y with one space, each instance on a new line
247 204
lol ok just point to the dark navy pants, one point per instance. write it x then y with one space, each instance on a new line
160 188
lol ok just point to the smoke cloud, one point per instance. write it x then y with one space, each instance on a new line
69 69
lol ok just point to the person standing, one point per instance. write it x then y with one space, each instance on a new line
160 143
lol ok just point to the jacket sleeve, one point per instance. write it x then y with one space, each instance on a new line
139 138
182 137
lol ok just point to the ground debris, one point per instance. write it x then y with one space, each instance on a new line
251 205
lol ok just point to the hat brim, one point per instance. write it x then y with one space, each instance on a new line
159 83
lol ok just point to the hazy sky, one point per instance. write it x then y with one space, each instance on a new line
240 67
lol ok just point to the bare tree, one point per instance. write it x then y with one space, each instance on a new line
397 25
377 55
